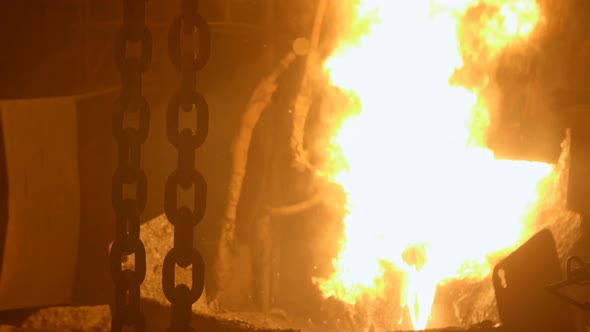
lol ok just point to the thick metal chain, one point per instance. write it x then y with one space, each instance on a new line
126 309
186 99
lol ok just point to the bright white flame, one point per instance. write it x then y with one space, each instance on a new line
424 193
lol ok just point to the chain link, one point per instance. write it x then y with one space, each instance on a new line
184 218
126 310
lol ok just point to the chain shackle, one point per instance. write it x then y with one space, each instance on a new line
194 180
130 207
130 139
193 22
144 61
169 285
134 136
126 308
128 246
195 101
184 218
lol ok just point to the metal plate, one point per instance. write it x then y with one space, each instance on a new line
41 233
519 282
578 196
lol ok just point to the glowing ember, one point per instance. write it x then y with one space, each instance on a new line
424 193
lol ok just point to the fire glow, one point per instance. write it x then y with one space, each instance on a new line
424 194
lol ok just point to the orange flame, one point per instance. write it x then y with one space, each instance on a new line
424 193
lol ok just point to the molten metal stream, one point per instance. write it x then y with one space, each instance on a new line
425 195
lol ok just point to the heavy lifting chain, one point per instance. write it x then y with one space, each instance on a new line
126 309
188 62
